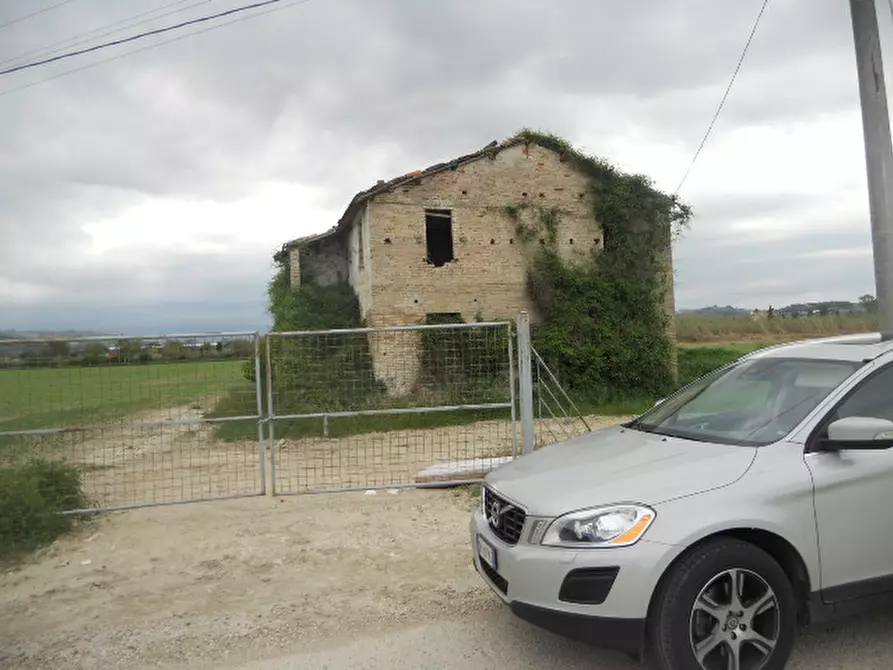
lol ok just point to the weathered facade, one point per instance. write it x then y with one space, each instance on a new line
439 241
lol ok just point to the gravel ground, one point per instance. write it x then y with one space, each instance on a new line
495 639
182 584
330 581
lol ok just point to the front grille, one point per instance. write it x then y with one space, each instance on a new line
505 519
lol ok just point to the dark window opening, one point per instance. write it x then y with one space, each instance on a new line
387 240
492 241
571 240
439 236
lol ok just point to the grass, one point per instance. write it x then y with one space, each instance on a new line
31 496
84 396
738 329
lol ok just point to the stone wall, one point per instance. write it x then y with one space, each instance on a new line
489 273
488 277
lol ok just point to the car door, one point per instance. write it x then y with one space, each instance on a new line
853 494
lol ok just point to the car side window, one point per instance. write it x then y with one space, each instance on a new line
872 398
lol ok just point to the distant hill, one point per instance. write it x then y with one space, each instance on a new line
715 311
822 308
12 334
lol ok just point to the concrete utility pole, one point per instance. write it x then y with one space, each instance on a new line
878 153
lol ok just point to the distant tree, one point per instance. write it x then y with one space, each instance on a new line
58 350
770 313
172 350
128 351
869 302
95 353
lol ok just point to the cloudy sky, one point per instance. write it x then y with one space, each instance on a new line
148 193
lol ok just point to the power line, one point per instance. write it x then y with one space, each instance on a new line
725 95
139 36
28 16
151 46
75 40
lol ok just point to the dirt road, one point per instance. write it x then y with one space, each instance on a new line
333 581
495 639
181 584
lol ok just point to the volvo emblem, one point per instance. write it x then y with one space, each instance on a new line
495 512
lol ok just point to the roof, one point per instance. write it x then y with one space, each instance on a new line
382 186
856 348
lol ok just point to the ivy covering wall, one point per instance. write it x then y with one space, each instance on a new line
604 325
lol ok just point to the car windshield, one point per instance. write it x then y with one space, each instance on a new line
754 402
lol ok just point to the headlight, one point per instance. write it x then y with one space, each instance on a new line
615 526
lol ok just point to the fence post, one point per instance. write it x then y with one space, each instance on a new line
258 389
525 380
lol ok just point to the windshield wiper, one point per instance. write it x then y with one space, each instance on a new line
680 434
636 424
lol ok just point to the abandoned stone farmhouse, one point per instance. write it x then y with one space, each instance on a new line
439 241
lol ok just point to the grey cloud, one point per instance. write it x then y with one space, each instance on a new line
339 94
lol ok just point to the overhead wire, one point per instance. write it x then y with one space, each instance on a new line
725 96
151 46
81 38
139 36
12 22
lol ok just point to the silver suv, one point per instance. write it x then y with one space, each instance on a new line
705 532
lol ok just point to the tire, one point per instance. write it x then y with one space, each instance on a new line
761 624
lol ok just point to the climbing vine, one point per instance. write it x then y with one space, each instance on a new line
603 322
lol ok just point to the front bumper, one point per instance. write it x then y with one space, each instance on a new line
534 581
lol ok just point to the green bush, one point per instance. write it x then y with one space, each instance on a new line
604 329
32 495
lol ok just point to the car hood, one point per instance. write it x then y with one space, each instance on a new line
617 465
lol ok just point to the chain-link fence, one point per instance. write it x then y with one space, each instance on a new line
142 420
388 407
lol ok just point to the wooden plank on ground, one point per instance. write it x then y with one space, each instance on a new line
473 468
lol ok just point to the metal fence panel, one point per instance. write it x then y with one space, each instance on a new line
557 417
145 420
387 407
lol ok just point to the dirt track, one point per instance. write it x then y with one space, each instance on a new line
154 457
205 581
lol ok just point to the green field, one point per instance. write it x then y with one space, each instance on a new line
69 397
740 329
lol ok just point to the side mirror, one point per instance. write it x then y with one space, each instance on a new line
858 432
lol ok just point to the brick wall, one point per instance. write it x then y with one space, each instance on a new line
488 276
327 263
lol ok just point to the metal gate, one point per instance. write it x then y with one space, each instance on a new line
372 408
170 419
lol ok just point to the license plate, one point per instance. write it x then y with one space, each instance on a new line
486 552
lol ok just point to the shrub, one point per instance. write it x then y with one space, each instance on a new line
32 495
604 327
